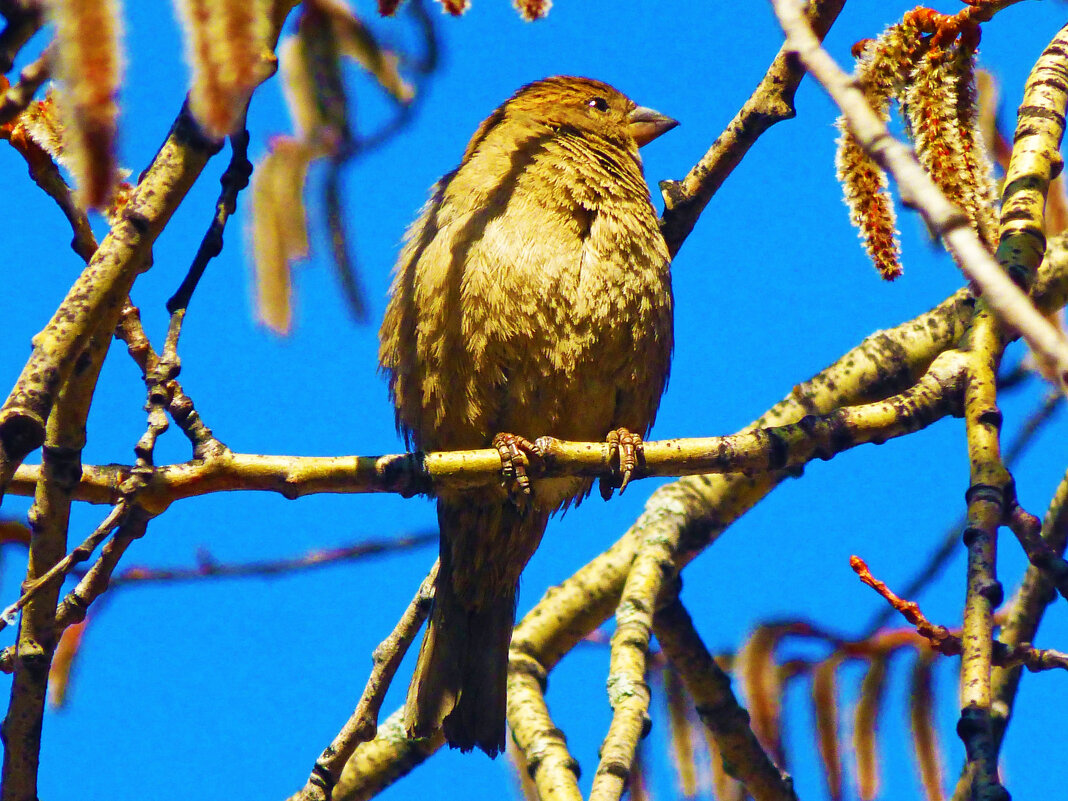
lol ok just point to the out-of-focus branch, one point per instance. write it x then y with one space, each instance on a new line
17 97
24 19
719 710
99 578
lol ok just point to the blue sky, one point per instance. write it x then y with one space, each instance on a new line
239 684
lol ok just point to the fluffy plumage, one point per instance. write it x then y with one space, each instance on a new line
532 297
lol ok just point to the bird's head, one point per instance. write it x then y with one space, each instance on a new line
586 105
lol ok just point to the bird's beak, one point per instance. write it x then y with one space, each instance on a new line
645 125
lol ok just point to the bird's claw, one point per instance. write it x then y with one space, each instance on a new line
516 455
628 448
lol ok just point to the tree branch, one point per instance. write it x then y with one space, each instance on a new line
771 102
919 192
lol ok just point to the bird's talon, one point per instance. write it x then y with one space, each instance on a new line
627 447
516 454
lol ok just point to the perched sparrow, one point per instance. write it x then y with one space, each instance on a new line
532 297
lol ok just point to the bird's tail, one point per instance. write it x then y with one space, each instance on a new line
460 677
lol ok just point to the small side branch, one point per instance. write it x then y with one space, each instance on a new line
947 643
1028 530
17 97
771 102
363 725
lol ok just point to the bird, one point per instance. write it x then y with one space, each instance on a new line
532 297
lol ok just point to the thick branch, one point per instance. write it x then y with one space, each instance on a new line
1036 159
105 281
759 450
49 520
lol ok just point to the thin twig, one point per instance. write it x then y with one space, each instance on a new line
14 101
24 19
363 724
99 578
234 179
771 102
65 565
947 643
950 544
1028 530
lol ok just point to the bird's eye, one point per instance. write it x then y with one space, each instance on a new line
598 103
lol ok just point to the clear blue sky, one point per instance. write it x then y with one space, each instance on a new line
235 686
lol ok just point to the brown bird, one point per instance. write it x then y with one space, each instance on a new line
533 297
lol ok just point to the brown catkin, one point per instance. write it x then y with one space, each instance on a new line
89 66
226 45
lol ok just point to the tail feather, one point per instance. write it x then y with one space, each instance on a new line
461 674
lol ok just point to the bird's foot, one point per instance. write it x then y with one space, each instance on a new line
628 448
517 454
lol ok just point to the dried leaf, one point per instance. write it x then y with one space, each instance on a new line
279 228
825 710
639 784
62 662
921 722
988 103
865 725
299 90
683 756
356 41
725 786
763 688
331 130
